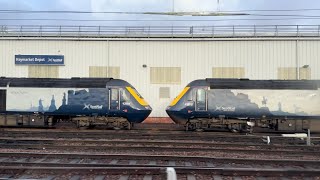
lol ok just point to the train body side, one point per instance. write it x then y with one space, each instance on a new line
75 102
114 98
203 100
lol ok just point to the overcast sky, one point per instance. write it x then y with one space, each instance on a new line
155 6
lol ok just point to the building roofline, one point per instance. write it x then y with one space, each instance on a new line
163 39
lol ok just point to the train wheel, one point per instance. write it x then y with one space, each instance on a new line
128 127
246 129
91 126
190 126
199 130
234 130
187 126
78 124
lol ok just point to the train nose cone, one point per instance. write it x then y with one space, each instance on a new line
176 116
148 108
139 116
146 113
170 112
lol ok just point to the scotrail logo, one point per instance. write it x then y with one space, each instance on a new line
227 109
91 107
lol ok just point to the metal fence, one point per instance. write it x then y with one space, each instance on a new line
160 31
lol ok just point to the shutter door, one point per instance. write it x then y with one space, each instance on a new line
3 100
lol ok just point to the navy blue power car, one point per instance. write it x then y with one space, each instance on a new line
240 104
84 101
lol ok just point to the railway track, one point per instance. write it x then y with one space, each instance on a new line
146 173
60 154
124 146
127 166
152 135
145 142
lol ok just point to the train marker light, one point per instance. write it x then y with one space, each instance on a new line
171 174
266 139
188 103
250 123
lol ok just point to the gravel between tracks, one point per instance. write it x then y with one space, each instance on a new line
106 146
192 153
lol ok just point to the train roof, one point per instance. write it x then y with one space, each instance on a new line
256 84
62 83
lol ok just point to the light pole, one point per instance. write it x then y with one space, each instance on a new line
172 5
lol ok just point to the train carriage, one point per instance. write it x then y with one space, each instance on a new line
240 104
84 101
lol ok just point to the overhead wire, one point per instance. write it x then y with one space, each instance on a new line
115 20
220 13
139 12
281 16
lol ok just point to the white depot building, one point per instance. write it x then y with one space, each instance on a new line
160 63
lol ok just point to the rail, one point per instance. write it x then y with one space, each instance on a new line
160 31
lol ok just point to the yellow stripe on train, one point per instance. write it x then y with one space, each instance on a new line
177 99
137 97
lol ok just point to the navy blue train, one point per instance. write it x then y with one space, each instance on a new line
84 101
240 104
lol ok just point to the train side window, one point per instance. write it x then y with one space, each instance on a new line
114 95
201 104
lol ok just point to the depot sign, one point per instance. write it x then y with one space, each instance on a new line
39 60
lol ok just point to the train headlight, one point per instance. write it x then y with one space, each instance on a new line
188 103
148 107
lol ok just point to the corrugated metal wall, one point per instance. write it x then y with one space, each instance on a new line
196 59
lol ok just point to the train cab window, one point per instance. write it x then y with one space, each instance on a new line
137 93
189 95
125 95
201 104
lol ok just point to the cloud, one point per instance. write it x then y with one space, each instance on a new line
160 5
74 5
13 5
195 5
155 6
132 5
